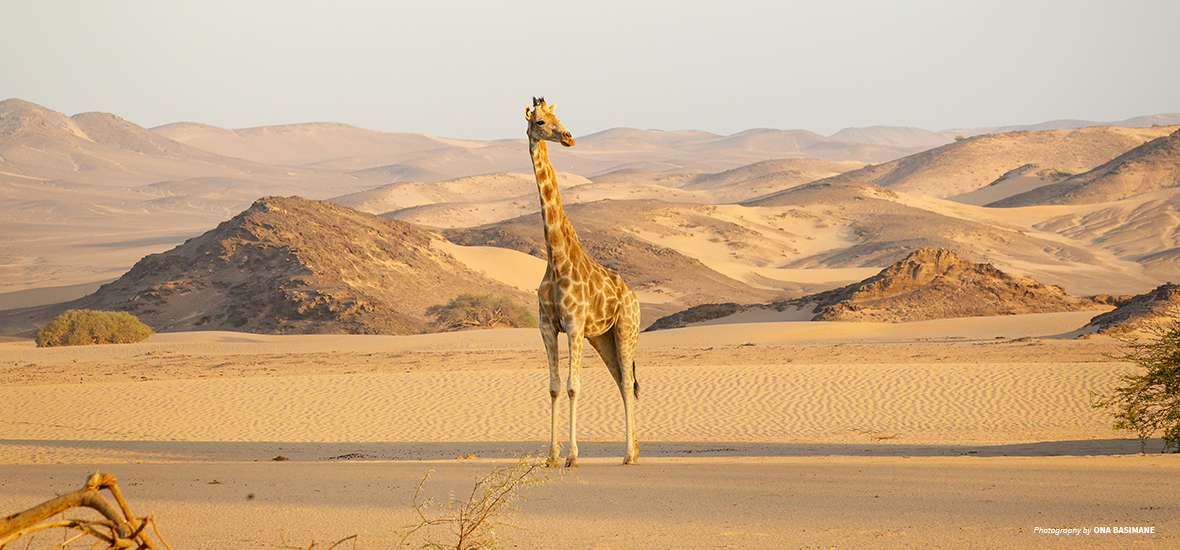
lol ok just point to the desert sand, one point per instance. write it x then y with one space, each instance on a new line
771 434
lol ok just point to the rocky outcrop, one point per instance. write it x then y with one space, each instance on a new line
1159 306
697 314
936 284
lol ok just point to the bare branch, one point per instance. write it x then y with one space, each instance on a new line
125 530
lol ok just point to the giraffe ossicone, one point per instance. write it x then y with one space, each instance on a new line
579 297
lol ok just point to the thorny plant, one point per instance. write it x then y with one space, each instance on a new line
1149 401
471 523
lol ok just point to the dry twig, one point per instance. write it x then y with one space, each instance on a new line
472 522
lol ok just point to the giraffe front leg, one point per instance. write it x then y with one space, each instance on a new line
550 338
574 387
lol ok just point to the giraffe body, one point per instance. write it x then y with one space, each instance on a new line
580 298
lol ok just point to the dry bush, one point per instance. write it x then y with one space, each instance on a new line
81 327
470 311
471 524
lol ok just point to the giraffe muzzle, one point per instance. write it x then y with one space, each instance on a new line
567 140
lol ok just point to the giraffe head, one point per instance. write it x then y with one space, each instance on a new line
543 124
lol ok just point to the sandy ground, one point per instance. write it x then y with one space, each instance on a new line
955 433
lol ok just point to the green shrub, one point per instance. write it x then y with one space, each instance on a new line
469 311
81 327
1150 401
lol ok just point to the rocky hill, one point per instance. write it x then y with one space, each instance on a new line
1159 306
928 284
937 284
292 265
1149 167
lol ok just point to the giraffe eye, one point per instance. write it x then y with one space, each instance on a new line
540 123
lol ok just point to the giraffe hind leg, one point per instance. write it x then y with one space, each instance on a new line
626 338
615 357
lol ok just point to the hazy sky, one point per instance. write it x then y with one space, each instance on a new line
467 69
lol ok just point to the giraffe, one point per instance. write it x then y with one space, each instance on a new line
579 297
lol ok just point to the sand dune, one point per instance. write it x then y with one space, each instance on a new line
970 164
475 190
1146 168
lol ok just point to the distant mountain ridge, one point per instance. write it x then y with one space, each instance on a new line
1149 167
394 157
1145 121
971 164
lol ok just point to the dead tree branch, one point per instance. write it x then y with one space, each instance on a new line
123 529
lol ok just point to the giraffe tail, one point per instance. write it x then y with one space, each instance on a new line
633 377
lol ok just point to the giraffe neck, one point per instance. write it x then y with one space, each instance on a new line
560 240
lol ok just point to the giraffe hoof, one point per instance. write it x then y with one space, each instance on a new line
553 462
571 462
632 457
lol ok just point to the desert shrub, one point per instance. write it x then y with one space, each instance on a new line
960 137
1149 401
81 327
480 311
471 524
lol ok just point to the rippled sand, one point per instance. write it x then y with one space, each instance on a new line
760 435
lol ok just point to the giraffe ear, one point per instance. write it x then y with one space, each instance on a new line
549 108
528 113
